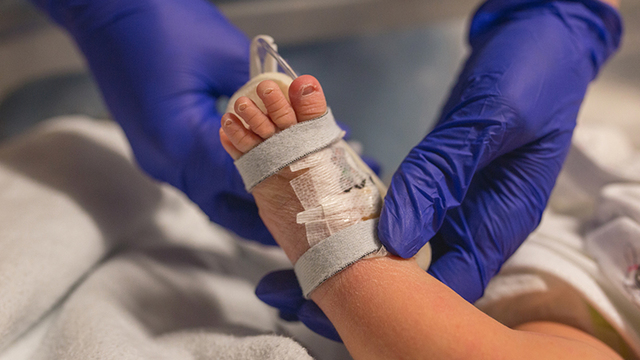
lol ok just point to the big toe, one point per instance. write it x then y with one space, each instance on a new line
307 98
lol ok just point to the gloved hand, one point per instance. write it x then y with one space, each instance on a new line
477 185
161 66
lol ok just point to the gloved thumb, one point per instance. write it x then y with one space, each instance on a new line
315 319
436 174
503 205
228 208
281 290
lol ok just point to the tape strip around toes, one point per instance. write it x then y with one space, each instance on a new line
286 147
335 254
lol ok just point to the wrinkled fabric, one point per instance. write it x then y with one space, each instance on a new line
100 262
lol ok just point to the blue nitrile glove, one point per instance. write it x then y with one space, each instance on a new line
476 186
161 66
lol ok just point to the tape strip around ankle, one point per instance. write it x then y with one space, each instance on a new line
336 253
286 147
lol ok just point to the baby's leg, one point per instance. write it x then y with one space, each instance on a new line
383 307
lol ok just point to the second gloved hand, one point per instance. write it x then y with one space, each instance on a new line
161 66
477 185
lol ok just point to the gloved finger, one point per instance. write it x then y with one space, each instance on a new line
458 270
281 290
119 36
436 174
226 200
475 240
176 154
315 319
518 86
230 209
287 316
160 66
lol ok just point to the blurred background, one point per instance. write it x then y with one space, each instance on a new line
386 65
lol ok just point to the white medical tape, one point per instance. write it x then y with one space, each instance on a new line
286 147
336 253
334 192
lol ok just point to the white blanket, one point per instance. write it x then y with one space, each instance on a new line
97 261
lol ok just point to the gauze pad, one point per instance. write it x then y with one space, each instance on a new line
334 191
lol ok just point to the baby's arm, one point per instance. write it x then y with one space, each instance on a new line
388 308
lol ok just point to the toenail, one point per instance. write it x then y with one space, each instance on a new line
228 122
241 107
308 89
267 91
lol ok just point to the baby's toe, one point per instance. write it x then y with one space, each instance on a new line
258 122
278 107
228 146
240 137
307 98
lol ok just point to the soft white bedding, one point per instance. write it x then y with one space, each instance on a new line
97 261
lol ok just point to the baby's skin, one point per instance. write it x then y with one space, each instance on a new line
276 200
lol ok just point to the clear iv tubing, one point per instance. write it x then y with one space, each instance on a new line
283 64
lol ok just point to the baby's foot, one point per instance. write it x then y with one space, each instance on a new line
315 197
275 197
